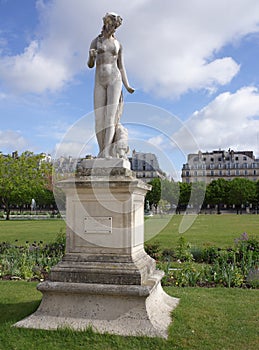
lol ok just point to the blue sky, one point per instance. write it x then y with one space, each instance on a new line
194 64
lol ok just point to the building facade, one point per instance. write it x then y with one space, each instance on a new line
220 164
146 166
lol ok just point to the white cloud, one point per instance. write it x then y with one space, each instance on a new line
169 49
32 71
11 140
230 120
78 139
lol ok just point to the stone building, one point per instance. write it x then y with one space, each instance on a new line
220 164
146 166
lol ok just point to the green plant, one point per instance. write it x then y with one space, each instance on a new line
253 278
182 250
153 250
30 261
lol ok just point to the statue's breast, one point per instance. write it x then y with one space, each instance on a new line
104 45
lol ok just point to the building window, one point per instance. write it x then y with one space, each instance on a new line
237 172
187 173
219 159
212 173
254 172
236 158
212 159
244 158
220 173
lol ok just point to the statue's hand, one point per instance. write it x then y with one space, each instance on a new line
93 53
130 90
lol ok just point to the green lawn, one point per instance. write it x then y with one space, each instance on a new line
215 318
217 230
206 319
30 230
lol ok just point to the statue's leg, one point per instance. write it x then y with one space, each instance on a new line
100 101
113 97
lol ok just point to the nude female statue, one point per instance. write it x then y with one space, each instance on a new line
106 52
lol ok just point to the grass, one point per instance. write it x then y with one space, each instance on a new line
213 230
207 319
30 230
218 230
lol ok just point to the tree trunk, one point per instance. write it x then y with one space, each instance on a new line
8 214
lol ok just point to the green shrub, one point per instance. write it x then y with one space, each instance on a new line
153 250
182 250
232 267
31 261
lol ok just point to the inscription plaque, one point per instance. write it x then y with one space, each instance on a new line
98 224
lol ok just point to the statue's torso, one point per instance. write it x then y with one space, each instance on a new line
106 61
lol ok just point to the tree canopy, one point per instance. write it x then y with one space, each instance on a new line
238 192
242 191
154 195
22 178
217 192
170 192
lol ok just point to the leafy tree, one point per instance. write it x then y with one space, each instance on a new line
198 190
170 192
217 192
22 178
185 193
242 192
45 197
257 196
154 195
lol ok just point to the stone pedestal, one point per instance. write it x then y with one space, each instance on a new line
105 280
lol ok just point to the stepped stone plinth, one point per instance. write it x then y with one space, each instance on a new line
105 280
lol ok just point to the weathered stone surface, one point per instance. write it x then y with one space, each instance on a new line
121 270
105 280
104 167
119 309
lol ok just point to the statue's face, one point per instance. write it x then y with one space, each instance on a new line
111 22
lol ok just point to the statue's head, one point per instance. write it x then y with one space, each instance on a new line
111 20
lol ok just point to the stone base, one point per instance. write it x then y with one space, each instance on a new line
117 269
128 310
104 167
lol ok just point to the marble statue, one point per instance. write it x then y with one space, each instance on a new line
106 54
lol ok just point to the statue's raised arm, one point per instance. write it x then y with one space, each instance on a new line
107 55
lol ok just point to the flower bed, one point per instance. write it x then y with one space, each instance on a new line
184 266
32 261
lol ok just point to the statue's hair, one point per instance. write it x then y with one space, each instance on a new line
115 17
